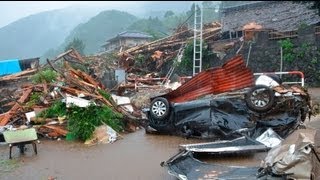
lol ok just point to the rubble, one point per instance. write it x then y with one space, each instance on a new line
72 87
102 134
294 158
74 103
165 49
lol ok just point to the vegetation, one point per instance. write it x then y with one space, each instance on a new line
186 65
302 56
34 99
82 121
44 76
168 14
33 35
76 44
104 94
290 52
57 109
152 26
287 50
139 60
81 67
96 31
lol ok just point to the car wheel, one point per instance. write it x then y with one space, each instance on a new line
260 98
159 111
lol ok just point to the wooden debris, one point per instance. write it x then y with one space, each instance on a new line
70 81
57 129
6 118
22 74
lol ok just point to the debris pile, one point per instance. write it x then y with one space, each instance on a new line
165 49
61 92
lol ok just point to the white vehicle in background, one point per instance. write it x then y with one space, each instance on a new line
261 97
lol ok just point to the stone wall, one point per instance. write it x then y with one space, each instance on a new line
266 54
278 15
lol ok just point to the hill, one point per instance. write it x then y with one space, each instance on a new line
33 35
96 31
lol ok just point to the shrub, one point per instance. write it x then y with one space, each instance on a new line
82 121
34 99
44 76
57 109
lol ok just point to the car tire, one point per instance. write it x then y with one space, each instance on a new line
260 98
159 111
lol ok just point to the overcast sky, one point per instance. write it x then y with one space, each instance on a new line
14 10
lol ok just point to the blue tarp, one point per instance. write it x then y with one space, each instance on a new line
9 66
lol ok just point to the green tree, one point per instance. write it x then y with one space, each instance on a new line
288 50
152 26
76 44
186 65
168 14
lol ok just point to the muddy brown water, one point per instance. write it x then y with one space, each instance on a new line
137 156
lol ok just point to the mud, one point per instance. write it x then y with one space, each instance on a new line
137 156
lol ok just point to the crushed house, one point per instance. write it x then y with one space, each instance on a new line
126 40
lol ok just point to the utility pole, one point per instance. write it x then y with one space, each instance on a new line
197 39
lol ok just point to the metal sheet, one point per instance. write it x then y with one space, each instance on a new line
239 145
185 166
233 75
293 156
269 138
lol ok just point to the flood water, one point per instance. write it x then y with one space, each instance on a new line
137 156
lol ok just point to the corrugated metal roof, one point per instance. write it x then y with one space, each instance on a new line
233 75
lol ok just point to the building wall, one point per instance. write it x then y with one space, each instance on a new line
112 46
278 15
265 54
130 42
125 42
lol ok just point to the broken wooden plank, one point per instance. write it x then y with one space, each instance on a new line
18 75
57 129
14 109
